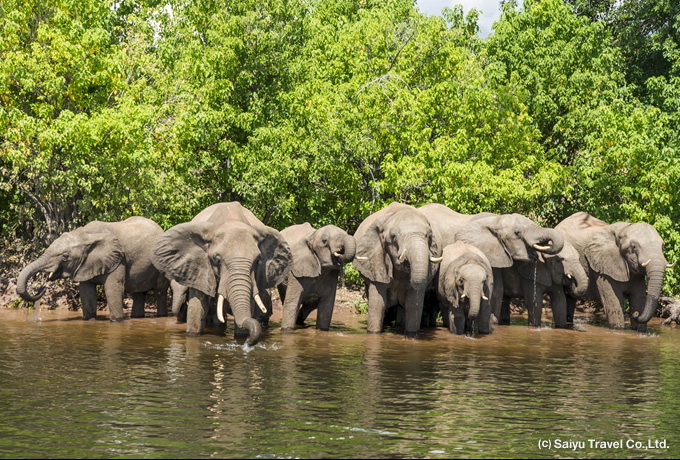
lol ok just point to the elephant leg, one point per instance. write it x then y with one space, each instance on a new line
161 297
414 310
138 300
484 325
114 288
558 301
457 321
637 298
197 310
324 314
291 304
305 310
611 297
377 299
533 297
501 312
571 308
88 297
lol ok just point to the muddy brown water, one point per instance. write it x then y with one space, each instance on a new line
141 388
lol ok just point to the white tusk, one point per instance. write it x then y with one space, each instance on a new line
538 247
484 297
436 260
569 275
220 308
361 258
646 263
670 265
337 254
463 297
50 275
402 257
259 303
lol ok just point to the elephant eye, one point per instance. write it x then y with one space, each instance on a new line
65 256
216 260
633 247
324 240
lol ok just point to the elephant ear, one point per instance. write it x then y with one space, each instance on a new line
447 285
181 254
276 255
371 259
485 236
103 253
604 255
305 262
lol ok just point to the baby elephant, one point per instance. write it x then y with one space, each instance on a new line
115 254
318 257
464 286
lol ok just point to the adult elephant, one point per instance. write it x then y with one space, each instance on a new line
617 258
113 254
398 253
504 239
557 275
318 257
224 256
464 285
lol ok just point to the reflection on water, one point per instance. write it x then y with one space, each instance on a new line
71 388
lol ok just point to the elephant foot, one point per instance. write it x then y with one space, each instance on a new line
90 318
114 319
325 329
374 332
194 334
287 330
411 333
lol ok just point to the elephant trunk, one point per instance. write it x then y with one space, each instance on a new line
579 283
349 250
475 295
26 274
418 255
239 294
655 274
179 296
546 240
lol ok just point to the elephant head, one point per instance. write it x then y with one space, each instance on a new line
561 269
329 247
233 261
81 254
465 278
510 237
398 238
622 249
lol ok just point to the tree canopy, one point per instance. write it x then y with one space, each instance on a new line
325 111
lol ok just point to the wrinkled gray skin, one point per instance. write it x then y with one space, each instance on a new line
398 253
114 254
465 280
318 257
223 254
504 239
617 258
555 275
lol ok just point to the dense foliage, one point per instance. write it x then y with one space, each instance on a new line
325 111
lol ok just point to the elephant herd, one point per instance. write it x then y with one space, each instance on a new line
417 263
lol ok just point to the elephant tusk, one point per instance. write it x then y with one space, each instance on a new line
220 308
670 265
646 263
485 297
462 297
436 260
259 303
337 254
402 257
539 247
359 258
570 276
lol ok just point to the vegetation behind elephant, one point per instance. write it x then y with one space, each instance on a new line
464 285
617 258
555 275
224 256
398 253
318 257
114 254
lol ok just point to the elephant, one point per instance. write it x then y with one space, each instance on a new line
318 257
225 255
555 275
503 238
617 257
113 254
464 285
398 254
